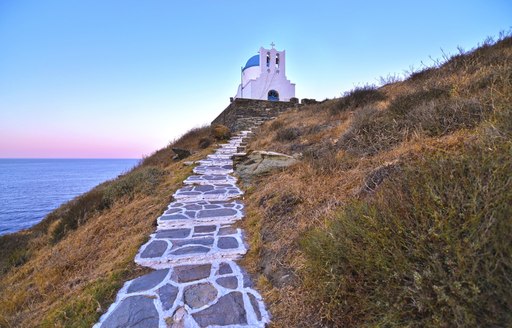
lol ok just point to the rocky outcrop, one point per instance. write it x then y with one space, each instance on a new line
181 153
256 163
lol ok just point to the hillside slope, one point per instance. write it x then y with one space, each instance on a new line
400 213
66 271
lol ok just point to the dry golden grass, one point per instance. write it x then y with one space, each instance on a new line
284 207
71 282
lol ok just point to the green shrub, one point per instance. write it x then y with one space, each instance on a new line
431 248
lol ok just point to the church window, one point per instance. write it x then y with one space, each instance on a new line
268 59
277 60
273 95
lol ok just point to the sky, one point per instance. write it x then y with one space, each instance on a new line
123 78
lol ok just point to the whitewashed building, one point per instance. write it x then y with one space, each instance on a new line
264 77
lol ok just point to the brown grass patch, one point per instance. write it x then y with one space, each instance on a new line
459 110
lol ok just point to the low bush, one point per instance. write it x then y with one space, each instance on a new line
76 212
431 248
276 125
373 131
220 132
204 143
288 134
143 180
359 97
403 104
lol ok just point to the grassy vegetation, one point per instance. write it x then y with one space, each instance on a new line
399 214
431 248
65 271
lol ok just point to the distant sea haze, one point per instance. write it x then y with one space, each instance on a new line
32 188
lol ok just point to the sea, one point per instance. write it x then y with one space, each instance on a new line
32 188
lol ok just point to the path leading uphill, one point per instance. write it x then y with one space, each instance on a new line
197 282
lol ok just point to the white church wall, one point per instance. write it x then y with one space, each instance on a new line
250 73
259 80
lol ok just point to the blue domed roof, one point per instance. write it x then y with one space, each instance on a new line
253 61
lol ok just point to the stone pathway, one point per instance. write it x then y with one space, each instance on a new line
196 282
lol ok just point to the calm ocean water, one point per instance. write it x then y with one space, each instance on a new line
32 188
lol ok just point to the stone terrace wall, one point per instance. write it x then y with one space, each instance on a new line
242 114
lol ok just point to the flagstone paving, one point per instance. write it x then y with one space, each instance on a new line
196 282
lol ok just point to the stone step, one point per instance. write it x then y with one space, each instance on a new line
213 169
191 244
217 191
210 179
200 212
218 293
196 282
218 156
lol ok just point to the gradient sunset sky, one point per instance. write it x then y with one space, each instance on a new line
122 78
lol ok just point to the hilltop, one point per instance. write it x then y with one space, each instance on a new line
397 213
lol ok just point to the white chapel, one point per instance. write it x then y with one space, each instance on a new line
264 77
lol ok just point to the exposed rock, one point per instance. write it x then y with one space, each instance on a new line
205 229
178 319
147 281
227 231
229 310
216 213
198 295
227 243
260 162
155 249
133 312
181 153
168 295
228 282
255 305
224 268
173 233
191 250
186 273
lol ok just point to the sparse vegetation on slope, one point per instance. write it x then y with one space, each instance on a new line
66 271
400 212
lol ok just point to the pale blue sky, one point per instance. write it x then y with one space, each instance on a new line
121 78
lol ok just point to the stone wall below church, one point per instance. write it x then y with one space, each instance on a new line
242 114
